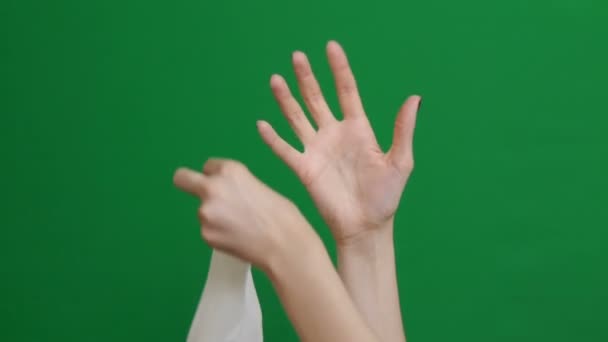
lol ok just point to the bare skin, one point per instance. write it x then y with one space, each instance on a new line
354 184
242 216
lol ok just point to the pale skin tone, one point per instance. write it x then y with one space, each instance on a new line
357 188
355 185
242 216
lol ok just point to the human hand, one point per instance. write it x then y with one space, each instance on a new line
244 217
355 185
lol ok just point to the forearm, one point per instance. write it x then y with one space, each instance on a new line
315 299
366 265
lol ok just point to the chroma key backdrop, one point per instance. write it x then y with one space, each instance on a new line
502 233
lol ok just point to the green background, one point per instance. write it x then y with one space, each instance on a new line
501 235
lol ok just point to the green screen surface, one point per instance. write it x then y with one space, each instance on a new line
501 234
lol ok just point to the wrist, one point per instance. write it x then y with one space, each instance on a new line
297 250
368 238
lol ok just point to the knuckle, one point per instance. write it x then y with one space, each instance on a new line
408 166
206 213
207 163
313 94
404 166
293 114
347 89
234 167
208 235
212 189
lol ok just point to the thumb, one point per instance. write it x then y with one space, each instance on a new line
401 152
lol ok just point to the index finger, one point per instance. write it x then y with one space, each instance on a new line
190 181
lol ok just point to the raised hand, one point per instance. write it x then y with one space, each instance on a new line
355 185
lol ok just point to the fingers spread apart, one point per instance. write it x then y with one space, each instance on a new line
291 109
311 91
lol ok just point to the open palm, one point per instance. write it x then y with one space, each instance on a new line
355 185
